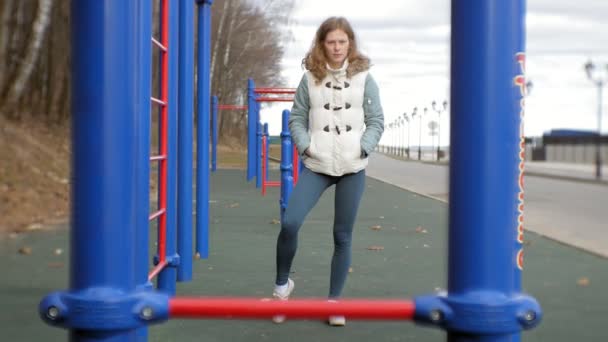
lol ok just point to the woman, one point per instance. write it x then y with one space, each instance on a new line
336 121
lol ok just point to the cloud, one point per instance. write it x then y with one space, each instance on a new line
586 10
409 43
561 34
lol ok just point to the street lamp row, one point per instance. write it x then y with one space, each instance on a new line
401 121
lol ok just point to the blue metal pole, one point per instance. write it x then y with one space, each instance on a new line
168 276
286 163
144 72
485 193
186 118
107 190
214 128
265 161
204 105
484 301
258 142
259 161
142 130
251 130
519 97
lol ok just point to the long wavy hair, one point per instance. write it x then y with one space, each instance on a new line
316 61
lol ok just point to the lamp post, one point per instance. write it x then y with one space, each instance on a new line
414 113
420 133
439 111
383 139
402 135
406 121
392 149
407 149
389 138
397 135
590 69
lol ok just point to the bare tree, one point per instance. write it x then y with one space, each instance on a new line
37 35
248 42
5 21
248 39
220 31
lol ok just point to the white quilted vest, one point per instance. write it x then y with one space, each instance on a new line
336 123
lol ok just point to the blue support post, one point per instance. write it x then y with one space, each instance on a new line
168 276
202 160
110 104
265 161
214 128
519 97
286 163
259 161
142 131
251 130
484 301
258 142
186 119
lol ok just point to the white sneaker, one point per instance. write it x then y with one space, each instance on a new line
282 295
337 321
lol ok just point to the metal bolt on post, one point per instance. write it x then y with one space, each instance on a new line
52 313
146 313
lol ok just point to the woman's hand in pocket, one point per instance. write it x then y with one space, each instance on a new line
307 152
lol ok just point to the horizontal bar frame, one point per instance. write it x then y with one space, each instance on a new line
252 308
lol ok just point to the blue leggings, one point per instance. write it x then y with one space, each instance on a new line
310 187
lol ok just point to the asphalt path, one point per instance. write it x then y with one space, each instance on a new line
566 210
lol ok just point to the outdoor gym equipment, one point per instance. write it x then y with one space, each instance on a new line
110 297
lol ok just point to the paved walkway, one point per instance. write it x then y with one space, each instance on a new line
567 171
561 201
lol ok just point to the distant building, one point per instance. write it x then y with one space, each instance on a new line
564 132
567 145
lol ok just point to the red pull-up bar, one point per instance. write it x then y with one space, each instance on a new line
231 107
248 308
274 90
274 99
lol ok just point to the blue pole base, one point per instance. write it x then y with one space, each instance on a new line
479 312
104 309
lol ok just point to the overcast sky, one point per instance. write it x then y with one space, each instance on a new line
408 43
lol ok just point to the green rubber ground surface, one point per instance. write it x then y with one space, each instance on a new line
405 256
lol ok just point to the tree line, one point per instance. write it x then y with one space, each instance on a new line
248 39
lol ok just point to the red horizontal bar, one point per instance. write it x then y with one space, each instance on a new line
274 99
231 107
156 270
157 214
273 183
161 46
239 308
161 157
274 90
160 102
